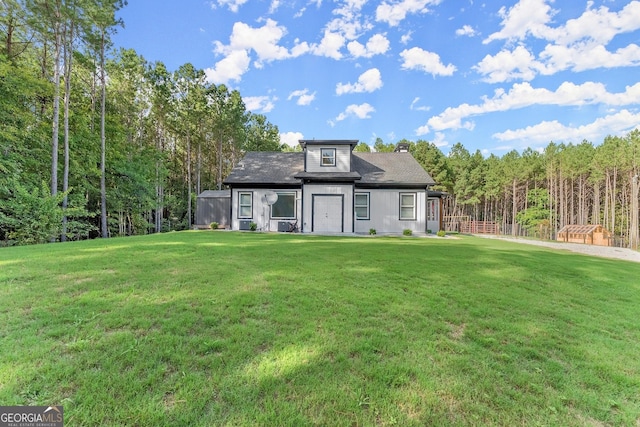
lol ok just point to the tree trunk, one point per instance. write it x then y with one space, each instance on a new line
56 112
634 236
103 185
188 179
68 61
514 207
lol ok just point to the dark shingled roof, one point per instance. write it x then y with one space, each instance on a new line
367 170
267 167
389 169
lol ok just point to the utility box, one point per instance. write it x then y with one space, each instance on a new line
245 224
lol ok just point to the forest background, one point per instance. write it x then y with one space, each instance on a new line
97 143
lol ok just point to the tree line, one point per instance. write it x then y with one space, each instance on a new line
100 142
539 192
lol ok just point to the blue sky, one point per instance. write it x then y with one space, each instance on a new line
493 75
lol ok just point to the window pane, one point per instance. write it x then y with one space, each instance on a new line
361 212
328 157
245 198
406 213
285 206
361 199
406 200
245 211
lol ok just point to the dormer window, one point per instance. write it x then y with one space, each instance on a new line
328 157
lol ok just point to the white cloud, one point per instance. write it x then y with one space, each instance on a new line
414 105
291 138
524 18
615 124
466 30
599 26
423 130
429 62
330 45
406 38
508 65
377 45
369 81
362 111
262 104
587 57
439 140
578 44
303 95
232 5
394 13
231 68
263 40
275 4
523 95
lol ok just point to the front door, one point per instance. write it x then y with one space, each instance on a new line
327 213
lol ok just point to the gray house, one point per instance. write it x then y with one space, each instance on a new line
327 188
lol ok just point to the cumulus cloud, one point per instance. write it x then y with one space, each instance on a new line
262 104
578 44
614 124
527 17
330 45
263 41
523 95
303 95
377 45
396 12
369 81
230 68
466 30
291 138
362 111
429 62
509 65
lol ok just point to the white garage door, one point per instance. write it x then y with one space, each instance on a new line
327 213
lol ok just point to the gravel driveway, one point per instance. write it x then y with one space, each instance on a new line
600 251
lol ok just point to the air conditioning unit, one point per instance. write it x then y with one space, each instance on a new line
283 226
245 224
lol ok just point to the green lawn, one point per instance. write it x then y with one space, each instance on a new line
226 328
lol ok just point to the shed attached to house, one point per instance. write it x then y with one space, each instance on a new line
587 234
213 206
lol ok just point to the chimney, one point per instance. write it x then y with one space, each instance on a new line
401 147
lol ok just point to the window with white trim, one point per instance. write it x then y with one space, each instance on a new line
361 205
407 206
328 157
245 205
285 207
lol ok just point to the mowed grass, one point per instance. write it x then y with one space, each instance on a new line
226 328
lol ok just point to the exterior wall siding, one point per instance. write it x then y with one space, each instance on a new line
261 211
213 209
343 158
384 212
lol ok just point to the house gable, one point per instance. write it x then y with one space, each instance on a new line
327 156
